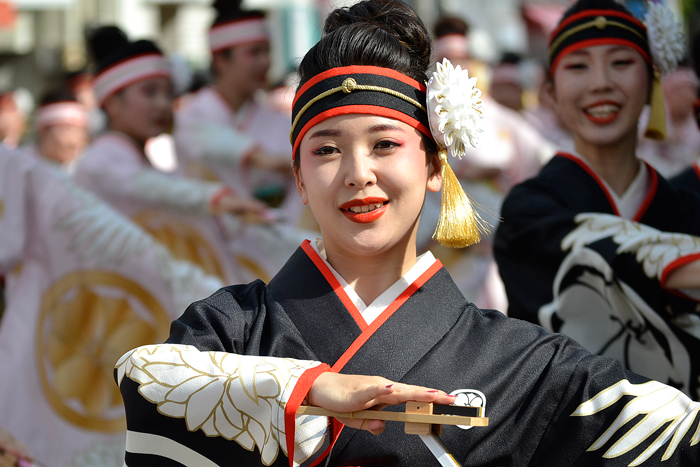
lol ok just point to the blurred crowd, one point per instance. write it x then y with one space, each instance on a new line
124 197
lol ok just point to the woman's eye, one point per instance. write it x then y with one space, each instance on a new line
325 150
623 62
575 66
385 145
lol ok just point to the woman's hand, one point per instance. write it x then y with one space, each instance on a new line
350 393
251 209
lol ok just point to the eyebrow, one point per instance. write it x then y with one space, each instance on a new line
384 127
322 133
374 129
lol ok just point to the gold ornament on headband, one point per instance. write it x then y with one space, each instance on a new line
666 44
454 113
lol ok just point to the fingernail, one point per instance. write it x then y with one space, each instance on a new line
389 386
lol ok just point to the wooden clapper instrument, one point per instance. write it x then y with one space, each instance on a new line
421 418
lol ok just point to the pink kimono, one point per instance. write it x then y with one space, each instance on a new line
84 284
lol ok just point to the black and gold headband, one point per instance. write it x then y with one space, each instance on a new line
358 90
597 27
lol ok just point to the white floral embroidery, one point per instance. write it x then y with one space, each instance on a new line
654 249
666 40
240 398
454 108
662 406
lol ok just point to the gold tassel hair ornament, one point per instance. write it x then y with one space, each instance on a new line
454 113
656 128
666 44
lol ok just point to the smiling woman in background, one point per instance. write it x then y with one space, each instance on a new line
586 248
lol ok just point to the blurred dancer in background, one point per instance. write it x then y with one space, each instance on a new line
599 246
61 129
13 122
83 285
510 150
226 132
681 146
133 86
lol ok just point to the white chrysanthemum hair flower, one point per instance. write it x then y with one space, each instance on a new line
666 40
454 108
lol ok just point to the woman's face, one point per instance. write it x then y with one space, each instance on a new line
142 110
365 178
63 143
245 68
599 93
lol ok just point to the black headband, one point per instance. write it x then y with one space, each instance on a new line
597 27
358 89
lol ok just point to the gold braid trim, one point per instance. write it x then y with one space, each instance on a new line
600 22
347 87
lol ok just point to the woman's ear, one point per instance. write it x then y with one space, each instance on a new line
435 178
299 181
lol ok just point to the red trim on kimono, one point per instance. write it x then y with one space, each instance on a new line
377 323
299 393
651 194
337 288
672 266
595 177
696 168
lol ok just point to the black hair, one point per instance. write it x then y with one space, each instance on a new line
583 5
382 33
57 94
109 45
448 24
231 10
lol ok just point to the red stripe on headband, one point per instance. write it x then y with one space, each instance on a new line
599 41
359 109
367 70
589 13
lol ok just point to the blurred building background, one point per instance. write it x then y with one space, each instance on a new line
43 40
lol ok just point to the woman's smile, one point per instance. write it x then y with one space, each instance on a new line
364 211
602 113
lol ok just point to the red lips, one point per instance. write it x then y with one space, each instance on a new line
602 120
364 217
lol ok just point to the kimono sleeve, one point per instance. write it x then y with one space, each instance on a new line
15 186
214 400
609 416
527 246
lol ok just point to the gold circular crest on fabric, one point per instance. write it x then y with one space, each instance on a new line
183 241
87 321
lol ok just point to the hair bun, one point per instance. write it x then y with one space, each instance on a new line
103 41
392 16
227 7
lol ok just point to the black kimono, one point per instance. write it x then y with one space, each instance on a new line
549 401
689 179
570 263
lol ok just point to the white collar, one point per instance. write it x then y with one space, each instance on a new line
631 201
373 310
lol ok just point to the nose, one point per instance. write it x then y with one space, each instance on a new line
359 169
600 77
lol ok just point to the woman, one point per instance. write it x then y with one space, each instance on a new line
225 133
586 248
360 302
61 126
133 86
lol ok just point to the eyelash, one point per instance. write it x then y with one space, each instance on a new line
380 146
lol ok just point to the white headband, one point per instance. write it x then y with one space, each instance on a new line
129 71
236 32
61 113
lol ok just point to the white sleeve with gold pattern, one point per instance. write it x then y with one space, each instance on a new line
237 397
